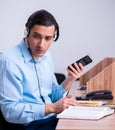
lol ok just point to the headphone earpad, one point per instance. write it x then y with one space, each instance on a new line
26 32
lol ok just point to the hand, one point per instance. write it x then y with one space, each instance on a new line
75 72
64 103
60 105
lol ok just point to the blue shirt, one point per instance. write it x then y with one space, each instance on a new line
21 80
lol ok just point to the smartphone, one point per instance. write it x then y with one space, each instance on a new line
84 61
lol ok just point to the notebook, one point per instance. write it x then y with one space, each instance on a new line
90 113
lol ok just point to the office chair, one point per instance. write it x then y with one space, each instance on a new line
60 77
3 123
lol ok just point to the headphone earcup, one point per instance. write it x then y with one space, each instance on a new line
26 32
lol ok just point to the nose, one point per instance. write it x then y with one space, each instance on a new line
42 42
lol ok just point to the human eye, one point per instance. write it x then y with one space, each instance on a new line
37 36
48 38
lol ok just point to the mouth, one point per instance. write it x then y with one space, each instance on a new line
39 51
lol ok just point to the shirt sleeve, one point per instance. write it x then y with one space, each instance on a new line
58 91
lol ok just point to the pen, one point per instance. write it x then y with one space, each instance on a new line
67 93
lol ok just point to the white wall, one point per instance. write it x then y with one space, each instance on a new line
86 27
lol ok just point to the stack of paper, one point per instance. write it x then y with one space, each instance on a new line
92 113
90 103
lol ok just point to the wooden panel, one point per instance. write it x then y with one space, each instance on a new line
103 80
101 76
95 70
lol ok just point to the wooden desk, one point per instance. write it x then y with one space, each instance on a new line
107 123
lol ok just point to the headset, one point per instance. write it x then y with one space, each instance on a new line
44 18
26 33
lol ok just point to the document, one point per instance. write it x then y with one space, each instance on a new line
89 113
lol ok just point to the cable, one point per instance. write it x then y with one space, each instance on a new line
39 84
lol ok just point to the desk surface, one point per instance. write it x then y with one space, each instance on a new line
107 123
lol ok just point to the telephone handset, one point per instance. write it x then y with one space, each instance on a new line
99 94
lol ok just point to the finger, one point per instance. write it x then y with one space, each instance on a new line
80 66
76 68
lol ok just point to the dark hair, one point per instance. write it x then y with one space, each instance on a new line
42 17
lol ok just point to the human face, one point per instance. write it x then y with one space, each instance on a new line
40 39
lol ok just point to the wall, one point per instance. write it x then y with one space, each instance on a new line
86 27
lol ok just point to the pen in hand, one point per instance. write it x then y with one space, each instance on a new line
67 93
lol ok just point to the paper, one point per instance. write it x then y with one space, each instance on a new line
91 103
91 113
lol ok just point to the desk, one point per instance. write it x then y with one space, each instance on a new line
107 123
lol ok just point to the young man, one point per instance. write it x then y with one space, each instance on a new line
29 93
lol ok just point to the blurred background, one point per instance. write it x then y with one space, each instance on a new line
87 27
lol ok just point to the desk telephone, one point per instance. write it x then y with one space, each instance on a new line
97 95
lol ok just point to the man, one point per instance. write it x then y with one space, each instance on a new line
29 93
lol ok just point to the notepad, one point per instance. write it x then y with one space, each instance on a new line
89 113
